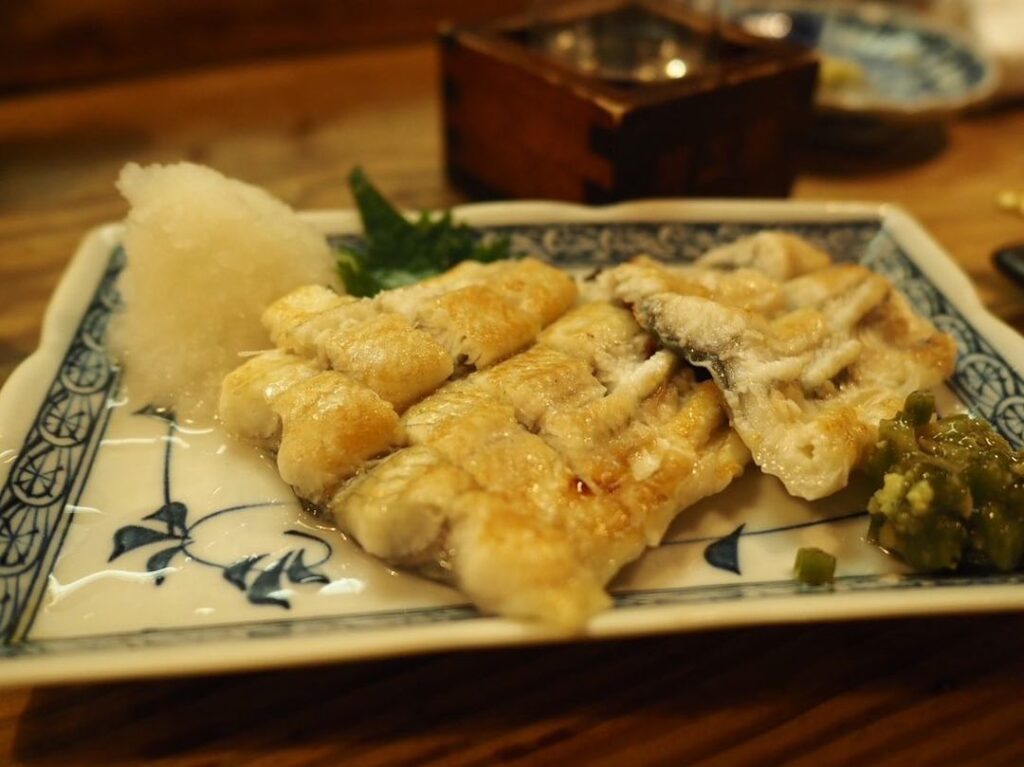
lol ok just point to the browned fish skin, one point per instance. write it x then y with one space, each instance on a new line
578 477
298 321
248 392
398 347
386 353
477 325
808 377
530 482
405 343
330 426
398 509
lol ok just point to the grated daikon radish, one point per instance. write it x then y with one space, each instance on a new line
206 254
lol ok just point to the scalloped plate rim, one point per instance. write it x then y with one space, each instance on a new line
232 654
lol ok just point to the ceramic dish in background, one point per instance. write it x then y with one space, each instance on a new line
133 545
876 61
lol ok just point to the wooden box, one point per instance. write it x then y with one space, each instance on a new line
520 121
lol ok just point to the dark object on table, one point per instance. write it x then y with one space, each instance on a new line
849 145
612 100
1009 259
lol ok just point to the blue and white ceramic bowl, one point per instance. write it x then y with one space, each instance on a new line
877 62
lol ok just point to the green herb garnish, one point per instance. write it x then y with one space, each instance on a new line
814 566
950 491
397 252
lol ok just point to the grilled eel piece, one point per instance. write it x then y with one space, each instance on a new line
809 355
404 343
528 484
345 367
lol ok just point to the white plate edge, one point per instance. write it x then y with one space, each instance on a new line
90 259
548 212
953 282
255 654
63 313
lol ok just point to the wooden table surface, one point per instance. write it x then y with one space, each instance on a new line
899 692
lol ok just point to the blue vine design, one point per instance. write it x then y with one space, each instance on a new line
723 552
261 584
46 479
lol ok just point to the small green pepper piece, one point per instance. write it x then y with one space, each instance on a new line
814 566
919 407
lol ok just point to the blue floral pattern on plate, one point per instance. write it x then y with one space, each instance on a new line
51 469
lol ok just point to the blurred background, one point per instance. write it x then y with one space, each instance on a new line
52 43
47 43
290 95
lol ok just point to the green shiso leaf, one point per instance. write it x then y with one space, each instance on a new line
397 252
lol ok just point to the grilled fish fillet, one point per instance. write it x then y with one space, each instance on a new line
528 483
404 343
810 355
543 482
322 424
348 366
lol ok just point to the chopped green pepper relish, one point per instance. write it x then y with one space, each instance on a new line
951 491
814 566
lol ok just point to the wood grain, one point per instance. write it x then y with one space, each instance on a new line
937 692
922 692
56 43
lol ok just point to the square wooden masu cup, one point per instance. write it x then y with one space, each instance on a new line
520 123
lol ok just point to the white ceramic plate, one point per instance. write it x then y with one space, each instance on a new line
132 546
